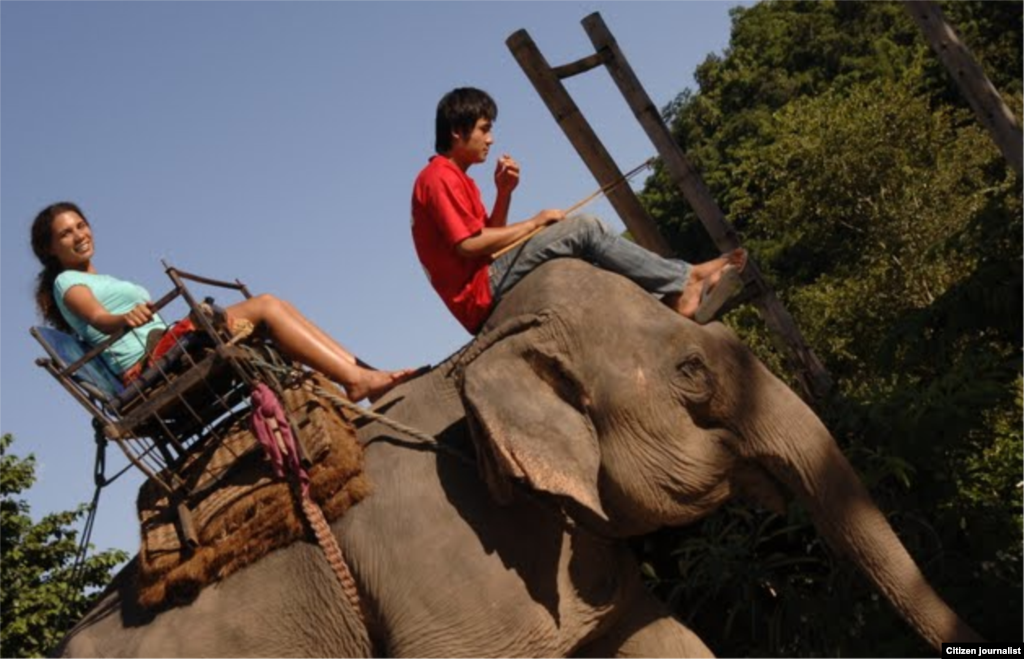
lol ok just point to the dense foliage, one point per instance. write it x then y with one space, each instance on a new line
888 222
38 597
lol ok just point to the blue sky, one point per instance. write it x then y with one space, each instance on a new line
277 143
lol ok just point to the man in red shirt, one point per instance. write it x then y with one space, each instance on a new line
456 238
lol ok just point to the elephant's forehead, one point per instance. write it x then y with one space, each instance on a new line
621 377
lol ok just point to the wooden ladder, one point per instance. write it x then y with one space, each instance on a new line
814 380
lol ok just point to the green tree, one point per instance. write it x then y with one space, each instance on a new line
890 226
38 595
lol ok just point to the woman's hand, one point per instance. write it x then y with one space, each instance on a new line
81 302
139 315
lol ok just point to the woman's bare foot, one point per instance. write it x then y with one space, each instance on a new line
704 276
374 384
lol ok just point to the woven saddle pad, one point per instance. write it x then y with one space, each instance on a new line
249 512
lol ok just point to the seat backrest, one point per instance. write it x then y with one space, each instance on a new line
66 349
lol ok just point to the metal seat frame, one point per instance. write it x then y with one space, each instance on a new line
166 424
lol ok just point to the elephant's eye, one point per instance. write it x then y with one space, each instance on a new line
690 365
693 378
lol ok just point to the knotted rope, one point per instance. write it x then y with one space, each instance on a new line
457 368
271 427
419 435
274 433
344 403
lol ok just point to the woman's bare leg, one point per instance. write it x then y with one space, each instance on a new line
321 335
304 342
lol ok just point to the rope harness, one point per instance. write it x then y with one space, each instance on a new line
271 427
273 431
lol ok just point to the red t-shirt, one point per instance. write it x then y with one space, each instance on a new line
447 209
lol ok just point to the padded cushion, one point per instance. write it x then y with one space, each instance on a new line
69 349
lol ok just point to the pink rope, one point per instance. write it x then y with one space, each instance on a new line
268 416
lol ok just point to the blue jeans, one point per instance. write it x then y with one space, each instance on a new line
588 238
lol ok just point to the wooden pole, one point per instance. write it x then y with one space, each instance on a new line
551 90
815 379
982 95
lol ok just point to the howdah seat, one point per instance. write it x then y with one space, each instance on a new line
176 408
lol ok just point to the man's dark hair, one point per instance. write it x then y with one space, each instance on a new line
458 112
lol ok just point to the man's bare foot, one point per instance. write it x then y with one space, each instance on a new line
704 276
686 302
374 384
736 258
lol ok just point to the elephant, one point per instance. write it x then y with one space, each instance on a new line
583 414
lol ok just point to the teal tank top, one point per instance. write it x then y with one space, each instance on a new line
117 297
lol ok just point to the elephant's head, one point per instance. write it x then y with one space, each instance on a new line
639 418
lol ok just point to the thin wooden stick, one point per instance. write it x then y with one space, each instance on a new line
578 205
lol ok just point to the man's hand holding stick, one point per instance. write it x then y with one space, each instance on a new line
575 207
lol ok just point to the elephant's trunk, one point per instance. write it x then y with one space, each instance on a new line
799 451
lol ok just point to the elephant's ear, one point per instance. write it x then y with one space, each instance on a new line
526 415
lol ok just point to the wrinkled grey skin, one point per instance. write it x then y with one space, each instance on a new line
596 414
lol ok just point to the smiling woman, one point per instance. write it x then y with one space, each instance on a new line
74 297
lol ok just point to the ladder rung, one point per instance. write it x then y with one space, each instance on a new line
581 65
